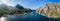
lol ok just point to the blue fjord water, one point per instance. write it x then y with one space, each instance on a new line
28 17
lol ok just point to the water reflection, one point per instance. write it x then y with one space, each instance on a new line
28 17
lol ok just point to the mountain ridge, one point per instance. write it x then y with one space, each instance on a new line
50 10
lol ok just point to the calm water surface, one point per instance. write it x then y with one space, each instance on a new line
28 17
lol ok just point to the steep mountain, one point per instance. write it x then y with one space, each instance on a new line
50 10
11 8
3 7
19 7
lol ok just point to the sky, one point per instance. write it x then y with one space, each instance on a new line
32 4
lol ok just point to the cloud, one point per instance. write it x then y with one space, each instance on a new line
4 1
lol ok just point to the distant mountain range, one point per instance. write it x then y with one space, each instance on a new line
16 10
50 10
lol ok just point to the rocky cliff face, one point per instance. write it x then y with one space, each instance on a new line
50 10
